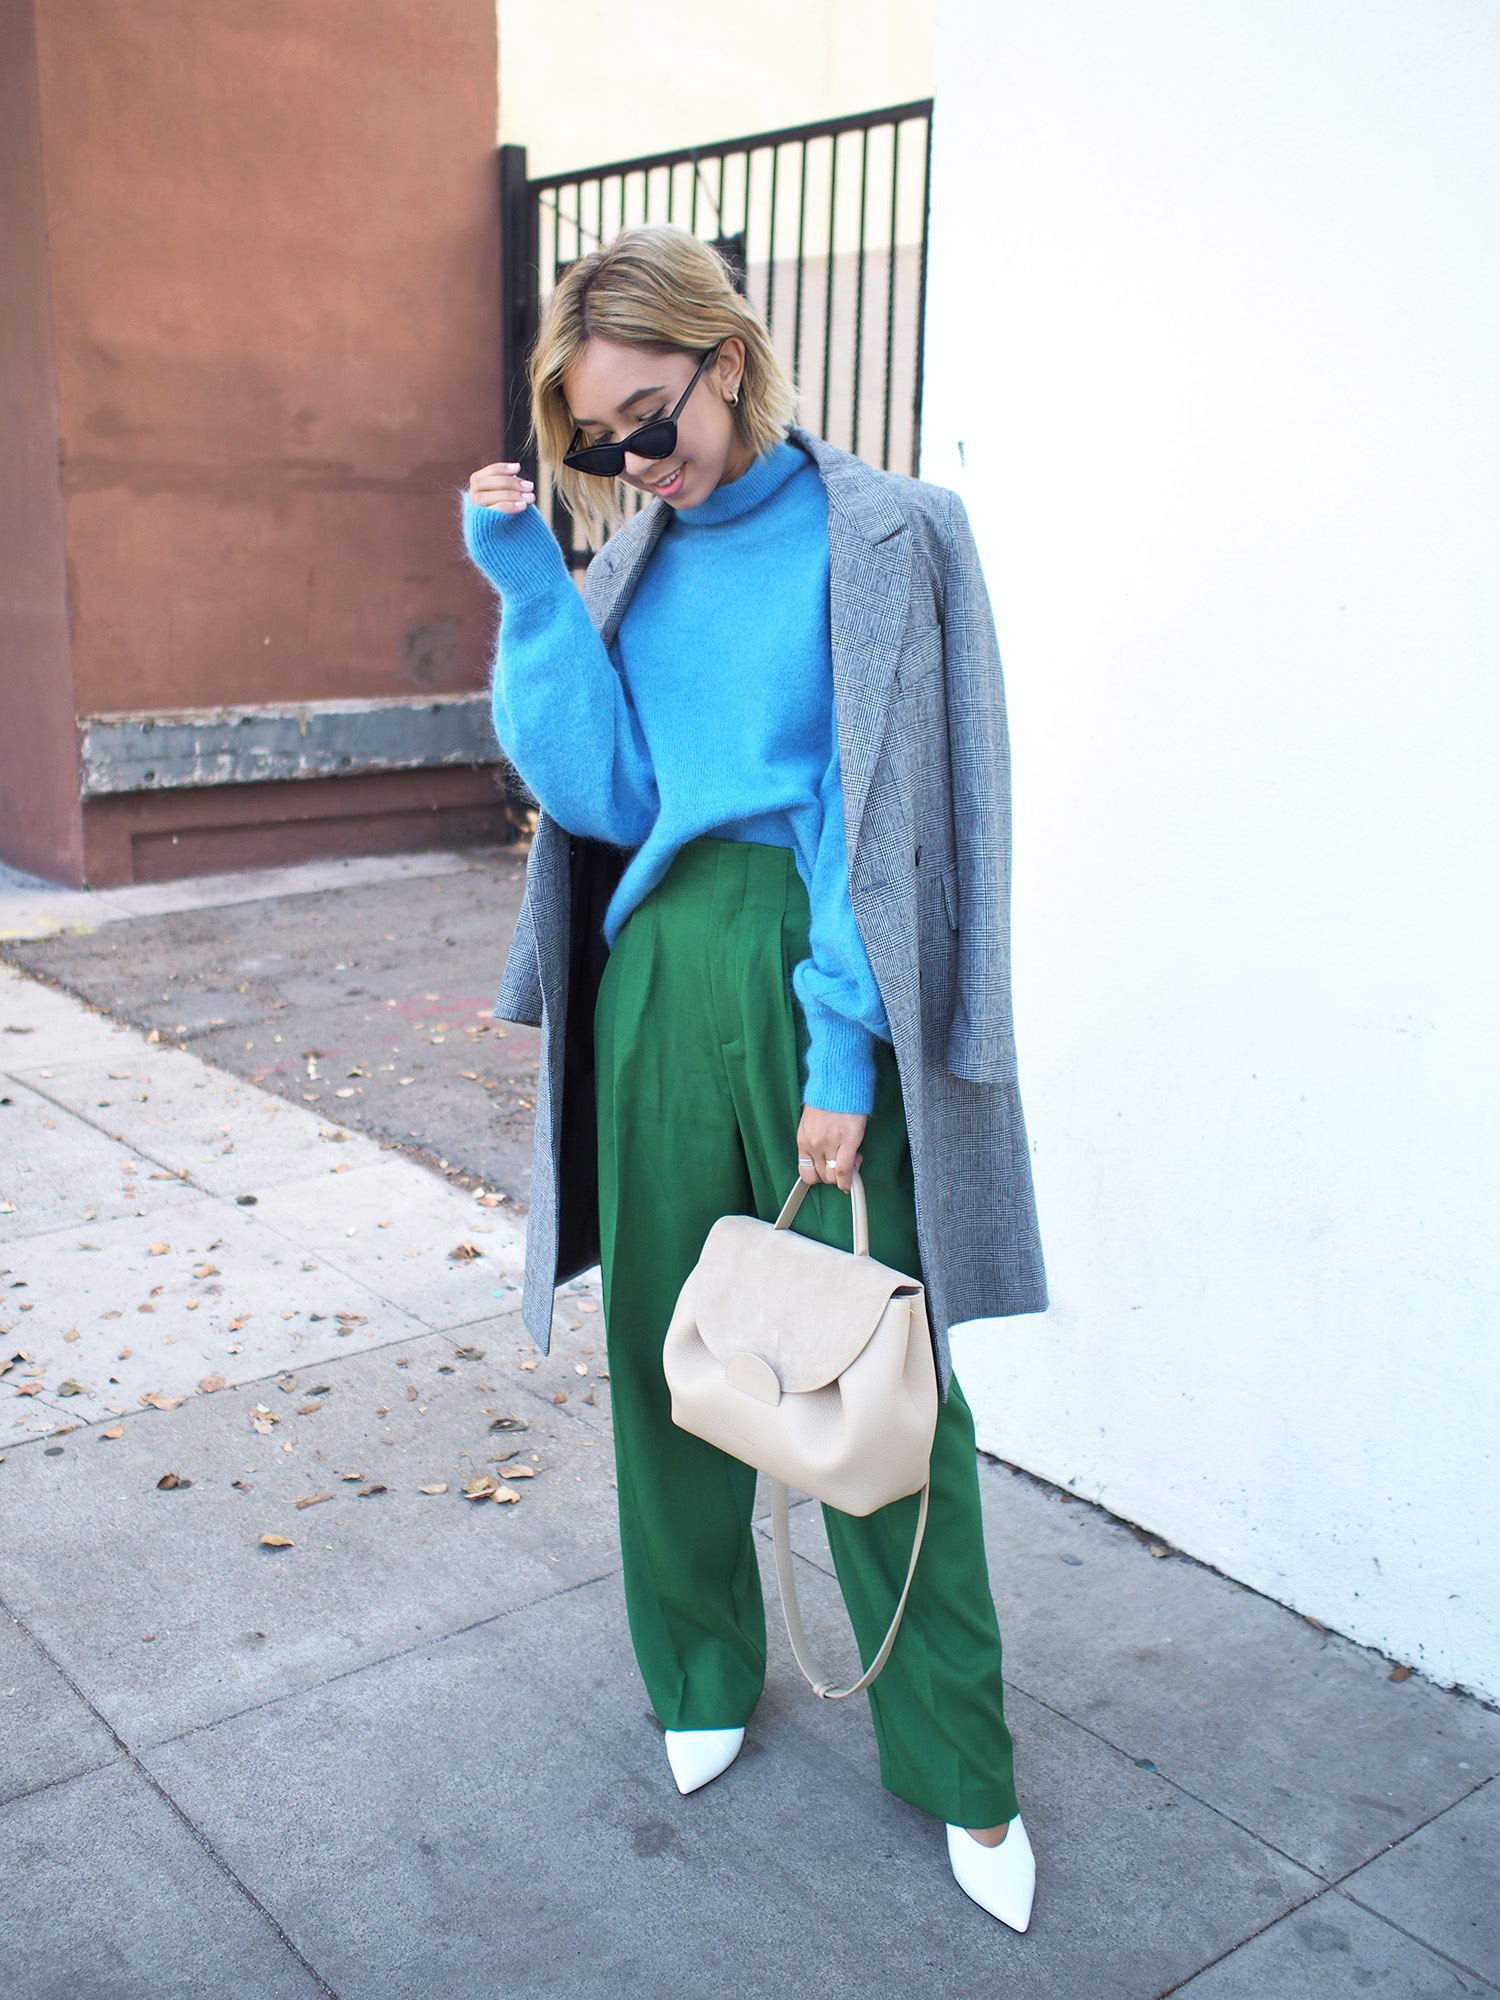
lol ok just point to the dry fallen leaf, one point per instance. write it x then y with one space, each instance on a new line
561 1396
263 1425
481 1486
1400 1673
158 1249
504 1493
209 1383
311 1499
442 1487
531 1366
355 1476
145 1309
157 1399
464 1253
71 1388
236 1324
242 1485
169 1481
206 1271
411 1392
117 1432
308 1409
277 1542
580 1368
587 1306
510 1424
468 1353
369 1492
74 1335
520 1472
351 1319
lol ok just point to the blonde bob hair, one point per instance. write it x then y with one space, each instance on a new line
667 291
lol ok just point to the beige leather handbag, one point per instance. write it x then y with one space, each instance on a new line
816 1368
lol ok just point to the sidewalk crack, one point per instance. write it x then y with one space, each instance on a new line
128 1756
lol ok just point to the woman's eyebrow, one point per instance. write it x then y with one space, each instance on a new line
597 423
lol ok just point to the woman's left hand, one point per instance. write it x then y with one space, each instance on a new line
828 1145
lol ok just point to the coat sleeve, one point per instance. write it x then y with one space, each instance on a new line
981 1037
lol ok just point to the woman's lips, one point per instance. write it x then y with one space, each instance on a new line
667 487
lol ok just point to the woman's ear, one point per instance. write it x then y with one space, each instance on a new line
729 369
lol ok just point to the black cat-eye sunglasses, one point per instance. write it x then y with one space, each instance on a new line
655 440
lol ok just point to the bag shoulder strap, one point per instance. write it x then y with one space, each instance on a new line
781 1541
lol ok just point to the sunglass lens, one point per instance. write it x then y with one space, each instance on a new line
654 440
605 461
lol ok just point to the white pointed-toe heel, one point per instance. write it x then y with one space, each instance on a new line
697 1756
1000 1879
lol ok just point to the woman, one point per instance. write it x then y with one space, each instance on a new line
766 932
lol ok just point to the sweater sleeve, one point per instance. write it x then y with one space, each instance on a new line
562 712
835 985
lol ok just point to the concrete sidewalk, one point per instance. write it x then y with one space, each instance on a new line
407 1754
363 987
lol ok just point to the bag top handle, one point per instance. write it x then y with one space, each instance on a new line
856 1194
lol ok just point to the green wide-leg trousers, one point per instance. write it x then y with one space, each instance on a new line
698 1041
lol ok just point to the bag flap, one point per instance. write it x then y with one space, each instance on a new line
807 1309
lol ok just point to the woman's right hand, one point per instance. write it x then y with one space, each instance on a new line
502 487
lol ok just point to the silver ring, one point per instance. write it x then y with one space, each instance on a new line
804 1161
831 1163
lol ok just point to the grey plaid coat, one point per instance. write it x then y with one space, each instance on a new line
926 774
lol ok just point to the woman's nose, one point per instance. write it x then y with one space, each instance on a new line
639 468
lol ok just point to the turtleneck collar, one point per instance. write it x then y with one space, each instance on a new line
765 477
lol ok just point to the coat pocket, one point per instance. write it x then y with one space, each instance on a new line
949 879
920 659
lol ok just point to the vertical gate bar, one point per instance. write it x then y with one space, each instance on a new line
671 190
833 211
916 401
719 229
890 301
600 210
745 217
859 287
801 273
693 211
519 218
623 179
771 244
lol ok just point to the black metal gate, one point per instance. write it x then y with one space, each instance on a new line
824 227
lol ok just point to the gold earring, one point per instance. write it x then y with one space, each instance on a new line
734 400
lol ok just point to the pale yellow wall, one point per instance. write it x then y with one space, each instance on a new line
583 82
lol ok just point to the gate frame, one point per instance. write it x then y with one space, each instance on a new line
520 269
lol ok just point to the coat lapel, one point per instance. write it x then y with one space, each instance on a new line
869 582
617 569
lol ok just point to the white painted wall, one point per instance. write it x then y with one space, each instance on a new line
1215 311
583 82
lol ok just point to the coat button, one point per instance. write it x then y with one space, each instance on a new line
919 857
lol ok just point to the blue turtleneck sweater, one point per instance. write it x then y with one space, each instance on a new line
712 713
